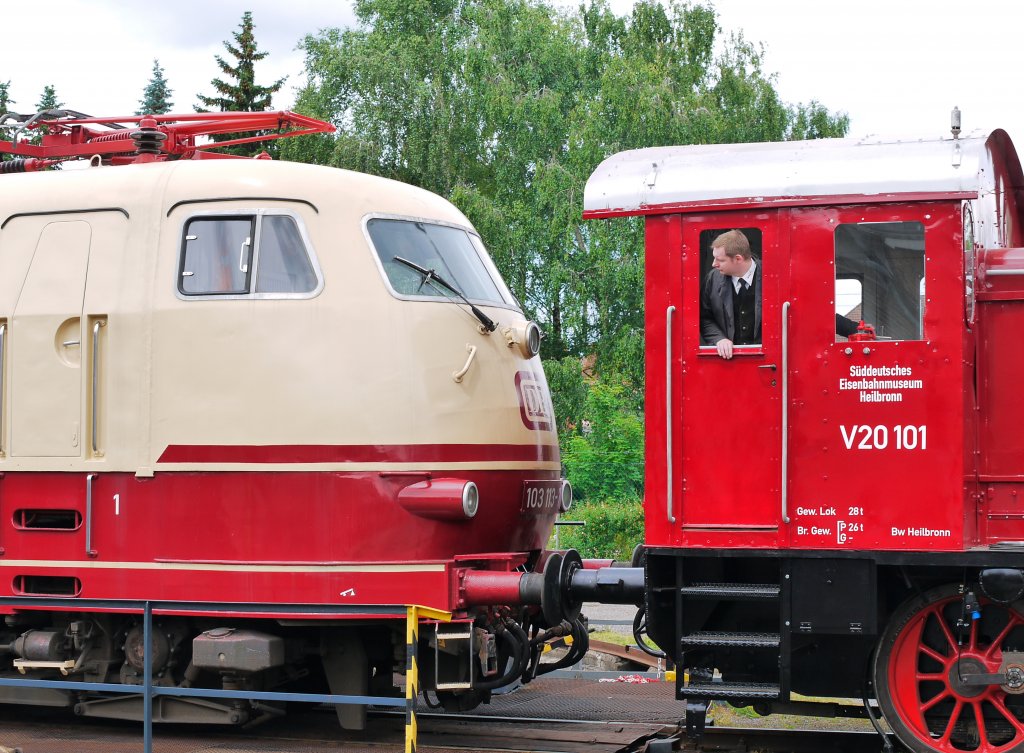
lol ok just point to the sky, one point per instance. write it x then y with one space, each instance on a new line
896 67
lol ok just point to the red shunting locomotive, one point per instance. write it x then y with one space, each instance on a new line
826 515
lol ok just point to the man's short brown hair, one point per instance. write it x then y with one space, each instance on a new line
734 243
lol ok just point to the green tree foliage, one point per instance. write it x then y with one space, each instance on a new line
156 97
240 93
604 458
610 529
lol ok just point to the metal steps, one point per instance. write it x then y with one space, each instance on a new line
711 649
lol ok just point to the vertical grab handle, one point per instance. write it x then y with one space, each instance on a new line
89 551
668 412
243 266
784 429
95 380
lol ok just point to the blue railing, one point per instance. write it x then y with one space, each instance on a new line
412 615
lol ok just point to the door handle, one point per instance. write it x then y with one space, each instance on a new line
770 366
242 266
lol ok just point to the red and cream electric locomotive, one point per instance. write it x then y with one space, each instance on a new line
837 516
275 387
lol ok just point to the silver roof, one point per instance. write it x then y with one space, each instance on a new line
691 178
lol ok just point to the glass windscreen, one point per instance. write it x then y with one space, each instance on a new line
437 249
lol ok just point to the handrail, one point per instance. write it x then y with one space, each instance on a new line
95 380
458 375
413 614
668 412
784 429
89 551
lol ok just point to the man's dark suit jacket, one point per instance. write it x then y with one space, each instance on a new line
716 307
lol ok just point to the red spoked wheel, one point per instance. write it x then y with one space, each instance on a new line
920 667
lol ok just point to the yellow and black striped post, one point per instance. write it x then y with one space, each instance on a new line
412 667
412 676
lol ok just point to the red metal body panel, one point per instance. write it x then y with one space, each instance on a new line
1000 410
727 416
883 498
281 537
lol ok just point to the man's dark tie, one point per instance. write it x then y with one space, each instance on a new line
743 286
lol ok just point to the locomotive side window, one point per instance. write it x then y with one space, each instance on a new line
880 277
284 266
412 253
731 290
217 256
263 254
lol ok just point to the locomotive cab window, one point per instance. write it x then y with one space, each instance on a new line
731 290
262 255
430 260
880 279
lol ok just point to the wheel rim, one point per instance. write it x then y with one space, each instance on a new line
926 664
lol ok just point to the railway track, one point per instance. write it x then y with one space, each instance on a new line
309 730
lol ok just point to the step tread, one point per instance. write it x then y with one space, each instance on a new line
732 690
732 590
724 639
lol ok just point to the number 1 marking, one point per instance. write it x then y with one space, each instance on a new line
117 504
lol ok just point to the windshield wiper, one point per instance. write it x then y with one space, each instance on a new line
429 275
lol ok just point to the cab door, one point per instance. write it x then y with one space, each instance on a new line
731 410
876 437
46 344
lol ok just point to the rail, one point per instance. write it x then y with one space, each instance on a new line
412 613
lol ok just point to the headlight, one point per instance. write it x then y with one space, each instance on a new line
532 340
565 500
470 499
526 338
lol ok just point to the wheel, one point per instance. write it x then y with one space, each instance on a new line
919 668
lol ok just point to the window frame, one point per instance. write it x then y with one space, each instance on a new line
706 255
921 301
478 248
256 214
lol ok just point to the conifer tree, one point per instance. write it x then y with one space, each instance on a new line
156 97
243 94
48 99
5 97
5 103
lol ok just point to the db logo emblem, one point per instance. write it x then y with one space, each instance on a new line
534 404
